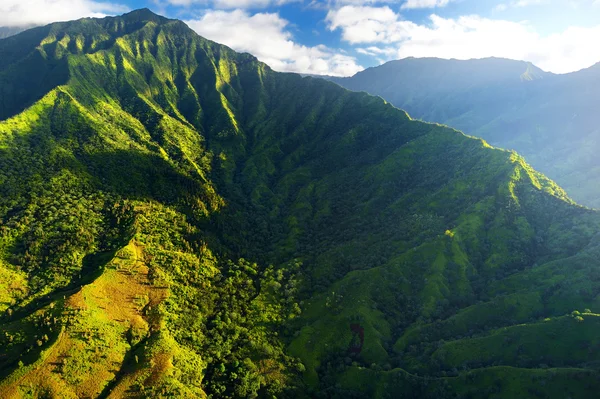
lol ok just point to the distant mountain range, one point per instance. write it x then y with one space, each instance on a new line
550 119
6 31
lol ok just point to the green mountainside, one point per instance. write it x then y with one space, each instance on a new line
549 119
178 220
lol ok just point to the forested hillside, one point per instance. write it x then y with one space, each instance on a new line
178 220
549 119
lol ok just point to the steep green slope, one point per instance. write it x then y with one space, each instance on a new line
550 119
180 221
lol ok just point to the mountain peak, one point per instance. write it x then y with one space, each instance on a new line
143 14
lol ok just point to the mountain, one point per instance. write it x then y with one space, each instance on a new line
6 31
178 220
420 76
550 119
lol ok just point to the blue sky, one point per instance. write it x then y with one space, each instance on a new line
341 37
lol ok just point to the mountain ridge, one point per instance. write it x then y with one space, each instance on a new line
551 121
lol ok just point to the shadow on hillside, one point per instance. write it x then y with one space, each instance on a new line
135 175
93 267
126 175
27 81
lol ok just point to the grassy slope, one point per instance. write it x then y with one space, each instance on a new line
549 119
169 148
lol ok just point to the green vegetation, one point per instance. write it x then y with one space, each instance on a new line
177 220
550 119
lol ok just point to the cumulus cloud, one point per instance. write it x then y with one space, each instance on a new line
324 4
38 12
377 51
518 3
265 36
381 54
425 3
231 4
466 37
405 4
363 24
525 3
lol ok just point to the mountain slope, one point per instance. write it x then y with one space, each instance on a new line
179 220
550 119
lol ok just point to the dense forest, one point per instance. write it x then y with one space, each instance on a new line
550 119
178 220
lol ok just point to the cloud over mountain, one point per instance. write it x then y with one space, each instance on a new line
266 35
37 12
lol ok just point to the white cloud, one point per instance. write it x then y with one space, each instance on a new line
329 4
406 4
466 37
232 4
518 3
265 36
525 3
37 12
425 3
377 51
363 24
380 54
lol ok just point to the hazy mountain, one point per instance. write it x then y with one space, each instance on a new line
550 119
178 220
6 31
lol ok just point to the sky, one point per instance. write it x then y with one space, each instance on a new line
342 37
